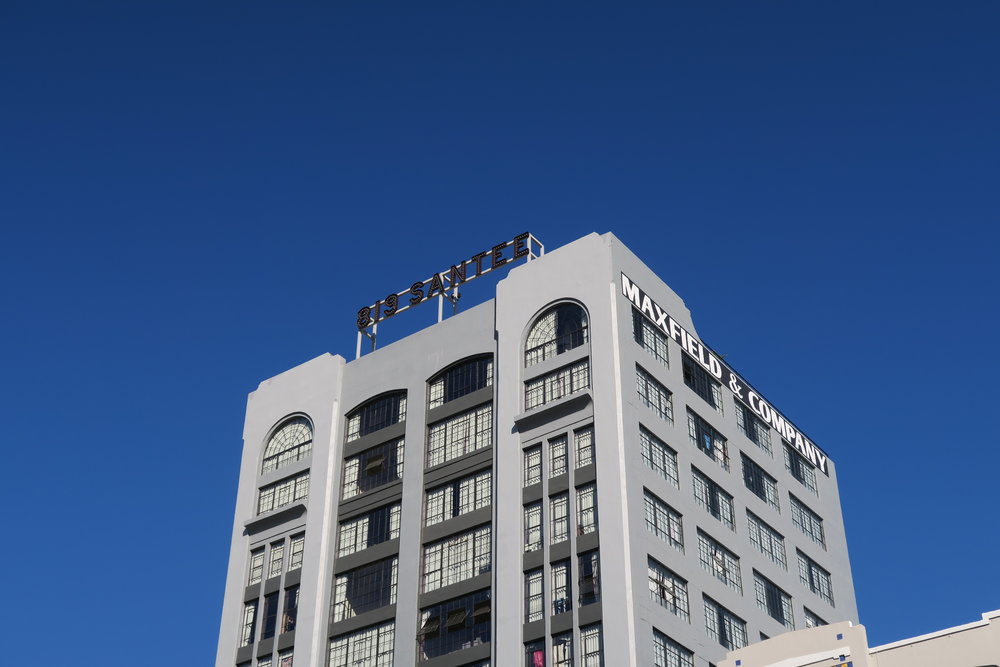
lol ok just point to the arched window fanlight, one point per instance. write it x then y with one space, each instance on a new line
292 442
557 330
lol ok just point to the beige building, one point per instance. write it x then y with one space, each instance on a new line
846 645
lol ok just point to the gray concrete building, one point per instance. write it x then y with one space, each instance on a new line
563 475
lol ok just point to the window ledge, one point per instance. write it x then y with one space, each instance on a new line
275 517
552 410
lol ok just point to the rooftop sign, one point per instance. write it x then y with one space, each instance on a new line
724 374
444 284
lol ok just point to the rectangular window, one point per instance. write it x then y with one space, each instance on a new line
713 498
460 380
371 647
462 434
760 483
668 590
297 547
654 395
558 456
812 620
562 650
701 381
815 577
724 626
591 646
800 468
767 540
276 559
270 616
364 589
559 518
719 561
261 662
589 567
534 653
668 653
649 337
285 492
534 605
249 626
532 465
373 468
708 440
664 521
291 612
454 625
375 527
584 446
533 527
456 558
776 602
256 566
557 384
807 521
460 497
285 658
562 593
659 457
753 427
376 415
586 509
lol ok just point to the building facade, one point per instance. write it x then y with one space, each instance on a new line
563 475
844 644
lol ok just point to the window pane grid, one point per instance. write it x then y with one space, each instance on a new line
375 527
584 446
460 497
776 602
558 330
562 592
558 456
659 457
376 415
724 626
557 384
708 440
589 567
760 483
664 521
533 527
713 498
591 646
654 395
815 578
753 427
586 509
373 468
649 337
460 435
364 589
453 625
801 469
285 492
559 517
668 653
456 559
298 545
533 465
534 605
767 540
807 521
668 590
701 381
461 380
719 561
370 647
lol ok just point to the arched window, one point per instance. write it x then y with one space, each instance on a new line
461 379
292 442
376 414
557 330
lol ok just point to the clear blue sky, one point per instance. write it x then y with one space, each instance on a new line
197 196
